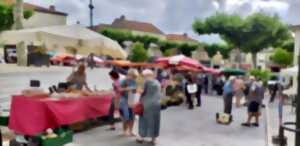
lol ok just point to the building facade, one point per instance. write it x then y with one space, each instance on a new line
42 16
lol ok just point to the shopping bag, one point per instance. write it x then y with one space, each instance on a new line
138 109
223 118
192 88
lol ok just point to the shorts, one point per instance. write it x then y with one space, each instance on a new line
253 107
127 114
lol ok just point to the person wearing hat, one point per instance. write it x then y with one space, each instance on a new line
149 121
228 95
254 100
127 92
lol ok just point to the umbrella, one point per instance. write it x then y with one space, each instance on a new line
98 60
61 57
233 71
180 60
84 40
212 71
121 63
187 68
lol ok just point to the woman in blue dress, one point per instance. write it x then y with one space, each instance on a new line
128 89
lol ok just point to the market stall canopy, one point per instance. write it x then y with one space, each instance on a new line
84 40
233 71
212 71
126 63
180 60
293 71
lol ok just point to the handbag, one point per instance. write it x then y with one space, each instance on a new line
138 109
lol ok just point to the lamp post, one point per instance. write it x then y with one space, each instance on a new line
91 6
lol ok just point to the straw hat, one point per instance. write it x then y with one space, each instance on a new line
147 72
133 73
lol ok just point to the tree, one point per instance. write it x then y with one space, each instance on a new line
7 16
121 35
263 31
282 57
262 74
139 53
212 49
251 34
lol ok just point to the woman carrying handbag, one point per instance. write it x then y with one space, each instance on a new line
149 121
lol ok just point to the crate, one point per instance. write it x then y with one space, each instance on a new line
4 120
64 136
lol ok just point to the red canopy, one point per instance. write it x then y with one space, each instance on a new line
180 60
212 71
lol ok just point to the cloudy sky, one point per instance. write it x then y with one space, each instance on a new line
172 16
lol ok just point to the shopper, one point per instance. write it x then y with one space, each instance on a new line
228 95
191 88
128 90
239 87
254 103
149 121
116 98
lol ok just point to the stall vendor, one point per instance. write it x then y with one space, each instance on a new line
78 78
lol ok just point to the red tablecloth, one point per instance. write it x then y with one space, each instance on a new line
30 116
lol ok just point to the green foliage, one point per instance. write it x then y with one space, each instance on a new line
28 13
251 34
121 35
282 57
288 45
264 75
7 17
139 53
212 49
167 52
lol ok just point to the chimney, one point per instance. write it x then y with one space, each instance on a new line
52 7
123 17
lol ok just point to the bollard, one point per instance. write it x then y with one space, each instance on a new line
280 139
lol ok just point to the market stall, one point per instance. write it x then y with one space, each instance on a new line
33 115
180 60
54 38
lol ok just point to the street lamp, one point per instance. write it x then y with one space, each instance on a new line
91 6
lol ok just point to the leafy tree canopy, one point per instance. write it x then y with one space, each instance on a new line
212 49
282 57
7 17
251 34
262 74
139 53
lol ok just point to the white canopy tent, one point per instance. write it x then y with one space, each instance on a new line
56 38
291 72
